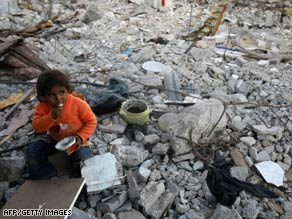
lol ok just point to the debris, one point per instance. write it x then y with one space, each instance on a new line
226 188
271 172
100 172
78 214
106 101
11 168
224 212
113 204
17 122
11 100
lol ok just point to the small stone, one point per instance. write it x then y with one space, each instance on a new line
199 165
91 211
249 141
253 153
133 214
263 156
250 211
263 63
144 173
240 173
82 205
109 216
151 139
225 212
160 149
155 175
181 209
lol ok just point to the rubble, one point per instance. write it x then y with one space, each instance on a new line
227 94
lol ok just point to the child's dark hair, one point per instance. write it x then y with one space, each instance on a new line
48 79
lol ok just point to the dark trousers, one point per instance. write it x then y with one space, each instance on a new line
37 155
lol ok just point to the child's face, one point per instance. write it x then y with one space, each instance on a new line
57 95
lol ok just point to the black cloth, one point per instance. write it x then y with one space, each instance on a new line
106 101
226 188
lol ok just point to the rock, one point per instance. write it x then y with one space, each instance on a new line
3 187
165 121
263 156
130 156
11 168
226 213
181 209
237 157
109 216
199 165
155 175
133 214
9 7
144 173
240 173
264 130
150 194
251 210
93 200
249 141
143 55
263 63
242 87
160 149
92 13
207 193
151 139
237 123
194 215
113 204
199 118
77 214
164 201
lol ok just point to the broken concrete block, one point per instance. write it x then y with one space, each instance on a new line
77 214
130 156
109 216
114 128
9 7
113 204
165 200
225 212
151 139
161 149
240 173
133 214
150 194
92 13
144 174
264 130
201 119
11 168
143 55
151 80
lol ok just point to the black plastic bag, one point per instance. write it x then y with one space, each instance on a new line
226 188
106 101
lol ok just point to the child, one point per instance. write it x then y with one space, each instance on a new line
60 114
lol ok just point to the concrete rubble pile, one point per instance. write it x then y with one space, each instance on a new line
235 97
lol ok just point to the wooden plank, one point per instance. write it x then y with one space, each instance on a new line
45 194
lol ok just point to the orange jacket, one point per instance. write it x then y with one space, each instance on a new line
77 118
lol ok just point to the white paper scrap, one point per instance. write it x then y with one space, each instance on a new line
271 172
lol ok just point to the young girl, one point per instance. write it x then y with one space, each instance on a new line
60 114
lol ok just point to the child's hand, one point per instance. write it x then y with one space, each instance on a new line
56 112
